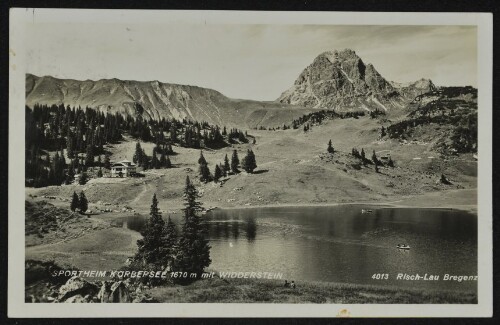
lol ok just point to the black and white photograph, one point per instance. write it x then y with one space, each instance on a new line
177 159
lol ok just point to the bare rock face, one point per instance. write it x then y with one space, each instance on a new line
77 289
341 80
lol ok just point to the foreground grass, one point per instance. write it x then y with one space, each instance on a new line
271 291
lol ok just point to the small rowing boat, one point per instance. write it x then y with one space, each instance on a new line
403 246
366 211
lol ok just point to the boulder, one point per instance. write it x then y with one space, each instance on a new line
78 299
76 286
114 292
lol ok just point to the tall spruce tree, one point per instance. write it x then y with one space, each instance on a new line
248 163
155 163
193 254
75 202
227 167
151 248
83 204
138 155
169 243
235 161
204 172
89 156
217 173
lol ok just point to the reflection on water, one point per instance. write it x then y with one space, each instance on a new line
341 244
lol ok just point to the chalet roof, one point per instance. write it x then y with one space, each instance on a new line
124 163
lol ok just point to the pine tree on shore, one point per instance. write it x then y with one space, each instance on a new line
193 249
169 243
151 249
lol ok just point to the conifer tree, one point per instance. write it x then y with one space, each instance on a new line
163 160
363 154
89 156
83 204
107 162
75 202
390 162
168 164
70 175
204 171
69 146
330 147
374 158
154 161
248 163
169 243
235 161
226 166
99 172
151 248
382 132
193 253
202 159
217 173
83 178
223 170
138 155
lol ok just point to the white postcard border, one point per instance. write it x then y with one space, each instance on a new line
20 17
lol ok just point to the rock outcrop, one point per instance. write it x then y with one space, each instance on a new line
114 292
77 289
341 80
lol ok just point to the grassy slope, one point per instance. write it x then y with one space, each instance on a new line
262 291
292 169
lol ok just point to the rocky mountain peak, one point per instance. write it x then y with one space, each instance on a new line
341 80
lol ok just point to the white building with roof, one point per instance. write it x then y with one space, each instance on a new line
124 168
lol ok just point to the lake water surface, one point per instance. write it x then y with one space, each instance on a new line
342 244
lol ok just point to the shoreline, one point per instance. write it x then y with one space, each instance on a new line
465 207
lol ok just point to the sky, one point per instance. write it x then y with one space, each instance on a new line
246 61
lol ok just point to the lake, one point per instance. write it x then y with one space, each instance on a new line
342 244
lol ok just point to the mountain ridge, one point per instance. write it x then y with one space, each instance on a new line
156 100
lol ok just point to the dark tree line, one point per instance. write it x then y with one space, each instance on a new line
79 134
